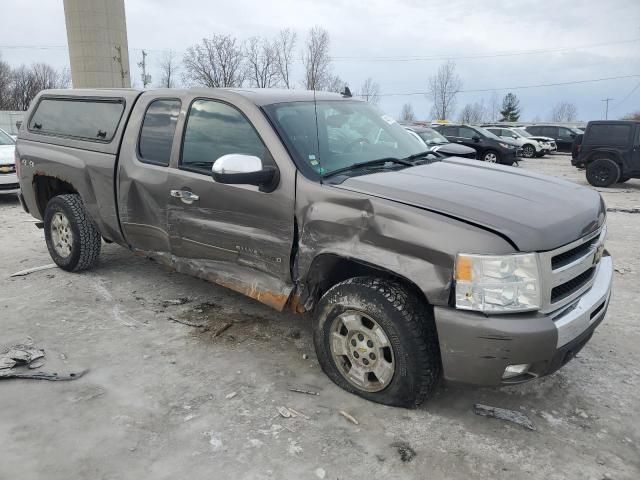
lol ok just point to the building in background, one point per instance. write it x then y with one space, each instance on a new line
97 37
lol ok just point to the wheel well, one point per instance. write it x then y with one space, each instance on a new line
46 188
328 270
598 155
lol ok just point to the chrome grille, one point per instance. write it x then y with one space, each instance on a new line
567 272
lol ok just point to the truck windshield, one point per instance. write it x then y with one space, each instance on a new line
344 133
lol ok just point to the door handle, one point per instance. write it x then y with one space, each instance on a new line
185 195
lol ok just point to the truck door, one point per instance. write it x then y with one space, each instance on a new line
235 235
635 153
143 172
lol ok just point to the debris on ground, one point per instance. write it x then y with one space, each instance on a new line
296 413
231 395
186 322
405 451
22 273
624 210
284 412
14 359
349 417
54 377
221 330
622 270
300 390
320 473
305 356
176 301
504 414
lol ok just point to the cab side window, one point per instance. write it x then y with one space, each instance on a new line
157 131
466 132
215 129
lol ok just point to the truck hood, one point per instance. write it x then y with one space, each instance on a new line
535 212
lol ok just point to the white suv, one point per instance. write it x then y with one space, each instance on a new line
8 177
530 147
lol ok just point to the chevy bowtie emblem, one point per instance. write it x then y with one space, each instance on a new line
598 254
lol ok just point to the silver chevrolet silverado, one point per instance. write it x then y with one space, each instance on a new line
412 267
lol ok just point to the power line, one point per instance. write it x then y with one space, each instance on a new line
621 102
480 90
467 57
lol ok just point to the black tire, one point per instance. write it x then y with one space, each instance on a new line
603 172
85 239
528 150
489 155
408 324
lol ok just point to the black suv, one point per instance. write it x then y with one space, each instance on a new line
610 151
563 136
490 148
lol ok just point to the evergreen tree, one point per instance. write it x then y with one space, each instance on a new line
510 108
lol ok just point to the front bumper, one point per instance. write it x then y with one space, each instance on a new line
9 183
477 348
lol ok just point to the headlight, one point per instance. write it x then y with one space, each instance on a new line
506 145
497 283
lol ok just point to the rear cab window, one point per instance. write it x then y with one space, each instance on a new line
608 134
157 131
94 120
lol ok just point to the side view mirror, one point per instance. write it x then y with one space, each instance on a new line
240 169
475 138
514 136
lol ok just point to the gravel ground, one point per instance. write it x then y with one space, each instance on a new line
166 400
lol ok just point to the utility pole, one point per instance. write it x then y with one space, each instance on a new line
146 79
118 60
606 111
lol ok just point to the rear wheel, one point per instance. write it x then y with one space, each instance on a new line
528 151
72 239
603 172
377 339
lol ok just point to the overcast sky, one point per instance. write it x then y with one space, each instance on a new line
397 29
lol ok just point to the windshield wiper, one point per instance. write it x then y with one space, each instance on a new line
418 155
370 163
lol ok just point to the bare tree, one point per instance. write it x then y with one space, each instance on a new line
474 113
406 114
370 91
284 45
168 70
316 61
216 62
494 107
144 76
564 112
335 84
443 88
262 63
632 116
5 85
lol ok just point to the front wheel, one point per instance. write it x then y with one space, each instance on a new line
377 339
490 156
72 239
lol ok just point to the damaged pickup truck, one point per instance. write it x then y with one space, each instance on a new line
413 267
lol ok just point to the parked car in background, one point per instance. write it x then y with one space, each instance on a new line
439 144
545 140
530 147
563 136
8 177
610 152
411 268
490 148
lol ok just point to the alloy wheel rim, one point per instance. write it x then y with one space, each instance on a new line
491 158
61 235
528 151
361 351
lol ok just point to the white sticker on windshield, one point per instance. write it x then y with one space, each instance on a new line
388 119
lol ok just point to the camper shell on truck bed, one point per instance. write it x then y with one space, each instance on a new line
411 265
